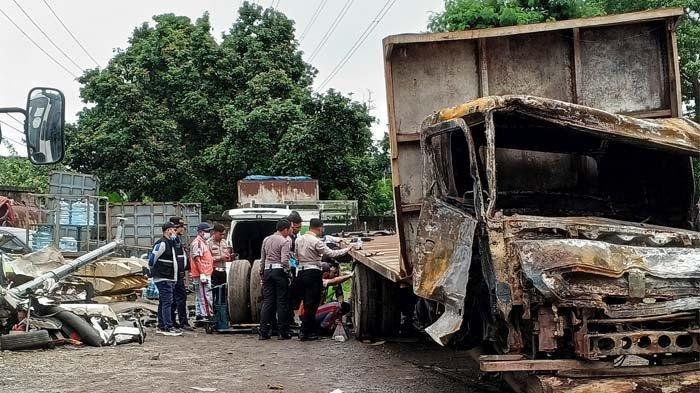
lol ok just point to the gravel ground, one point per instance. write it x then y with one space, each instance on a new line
240 363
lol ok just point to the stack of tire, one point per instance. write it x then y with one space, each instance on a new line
244 292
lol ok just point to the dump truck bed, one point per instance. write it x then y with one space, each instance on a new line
381 254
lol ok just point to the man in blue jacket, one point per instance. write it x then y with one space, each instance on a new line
163 266
180 290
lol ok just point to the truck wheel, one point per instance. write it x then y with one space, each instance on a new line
390 311
34 339
366 303
255 292
239 291
75 327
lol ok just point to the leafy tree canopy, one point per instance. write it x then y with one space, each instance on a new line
179 116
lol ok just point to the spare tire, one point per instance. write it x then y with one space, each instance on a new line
34 339
239 291
75 327
256 298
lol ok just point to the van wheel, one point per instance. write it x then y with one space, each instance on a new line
238 291
255 292
366 307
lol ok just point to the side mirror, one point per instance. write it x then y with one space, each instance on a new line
45 125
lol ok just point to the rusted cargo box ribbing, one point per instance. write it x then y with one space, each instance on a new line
276 191
624 63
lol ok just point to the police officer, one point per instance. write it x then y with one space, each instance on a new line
294 292
275 277
310 250
220 252
179 309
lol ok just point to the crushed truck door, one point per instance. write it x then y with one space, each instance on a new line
447 223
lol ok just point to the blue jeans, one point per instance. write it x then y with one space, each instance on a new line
180 303
165 304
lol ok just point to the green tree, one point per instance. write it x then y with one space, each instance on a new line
475 14
18 171
177 116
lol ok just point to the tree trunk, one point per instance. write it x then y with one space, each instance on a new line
696 94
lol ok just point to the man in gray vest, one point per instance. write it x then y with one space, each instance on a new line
310 249
275 282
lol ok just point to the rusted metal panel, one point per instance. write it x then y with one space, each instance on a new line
533 64
639 342
442 74
442 259
633 60
276 191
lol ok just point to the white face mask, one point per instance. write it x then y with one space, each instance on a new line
206 235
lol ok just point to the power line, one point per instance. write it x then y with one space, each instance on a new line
47 36
22 143
12 127
331 29
38 46
71 33
315 15
15 119
358 43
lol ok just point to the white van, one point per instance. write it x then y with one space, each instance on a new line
249 226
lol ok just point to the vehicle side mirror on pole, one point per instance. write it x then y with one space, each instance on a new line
45 125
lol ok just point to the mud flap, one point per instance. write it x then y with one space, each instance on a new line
443 257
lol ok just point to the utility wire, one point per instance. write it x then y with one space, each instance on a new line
15 119
331 29
47 36
21 143
38 46
12 127
316 13
358 43
71 33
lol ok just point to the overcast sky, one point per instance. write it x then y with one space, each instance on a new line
102 26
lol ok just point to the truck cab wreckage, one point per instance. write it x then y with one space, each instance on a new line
563 236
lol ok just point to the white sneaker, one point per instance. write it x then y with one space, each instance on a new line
159 331
172 332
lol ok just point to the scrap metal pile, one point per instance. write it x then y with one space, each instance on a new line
47 301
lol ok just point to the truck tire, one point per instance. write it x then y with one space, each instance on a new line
366 303
255 292
239 291
75 327
35 339
390 311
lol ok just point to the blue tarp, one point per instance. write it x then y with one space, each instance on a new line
285 178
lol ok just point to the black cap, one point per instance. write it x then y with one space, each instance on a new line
168 225
204 227
178 221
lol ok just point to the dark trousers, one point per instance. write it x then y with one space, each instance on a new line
296 295
179 308
218 278
275 290
311 285
165 304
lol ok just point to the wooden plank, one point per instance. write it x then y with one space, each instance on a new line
674 73
539 365
408 138
382 255
576 65
632 17
650 114
410 207
483 68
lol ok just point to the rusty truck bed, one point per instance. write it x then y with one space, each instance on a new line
381 254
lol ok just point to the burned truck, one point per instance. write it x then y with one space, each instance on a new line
558 231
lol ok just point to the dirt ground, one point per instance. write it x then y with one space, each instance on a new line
240 363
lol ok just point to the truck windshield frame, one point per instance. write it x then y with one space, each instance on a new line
618 178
